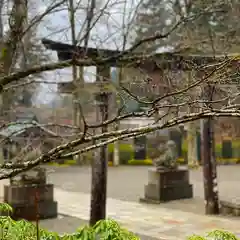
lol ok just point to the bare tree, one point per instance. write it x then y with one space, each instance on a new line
170 100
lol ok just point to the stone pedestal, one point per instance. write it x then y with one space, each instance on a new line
167 185
229 208
22 198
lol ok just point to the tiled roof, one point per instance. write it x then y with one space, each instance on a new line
13 130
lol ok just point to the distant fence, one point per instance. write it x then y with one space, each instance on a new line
226 149
145 148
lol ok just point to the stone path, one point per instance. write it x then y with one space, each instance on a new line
127 182
151 220
125 185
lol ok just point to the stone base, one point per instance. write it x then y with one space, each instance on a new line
20 194
230 208
168 193
22 198
150 201
45 210
167 185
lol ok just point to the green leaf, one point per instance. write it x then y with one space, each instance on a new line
222 235
3 52
5 208
196 237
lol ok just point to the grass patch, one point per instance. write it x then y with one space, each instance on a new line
149 162
140 162
70 162
58 164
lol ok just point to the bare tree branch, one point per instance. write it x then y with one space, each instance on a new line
121 134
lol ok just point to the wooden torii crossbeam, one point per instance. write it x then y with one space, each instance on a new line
153 63
67 51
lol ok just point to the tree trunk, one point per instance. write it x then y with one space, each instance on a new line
116 153
192 144
1 19
100 163
209 169
10 46
209 160
99 175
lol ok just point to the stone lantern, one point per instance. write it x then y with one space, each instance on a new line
29 194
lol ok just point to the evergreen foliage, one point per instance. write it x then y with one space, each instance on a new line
212 26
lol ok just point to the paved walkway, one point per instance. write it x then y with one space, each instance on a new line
127 182
125 186
151 220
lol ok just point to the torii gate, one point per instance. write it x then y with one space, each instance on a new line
153 66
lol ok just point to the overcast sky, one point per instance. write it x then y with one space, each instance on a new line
107 33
